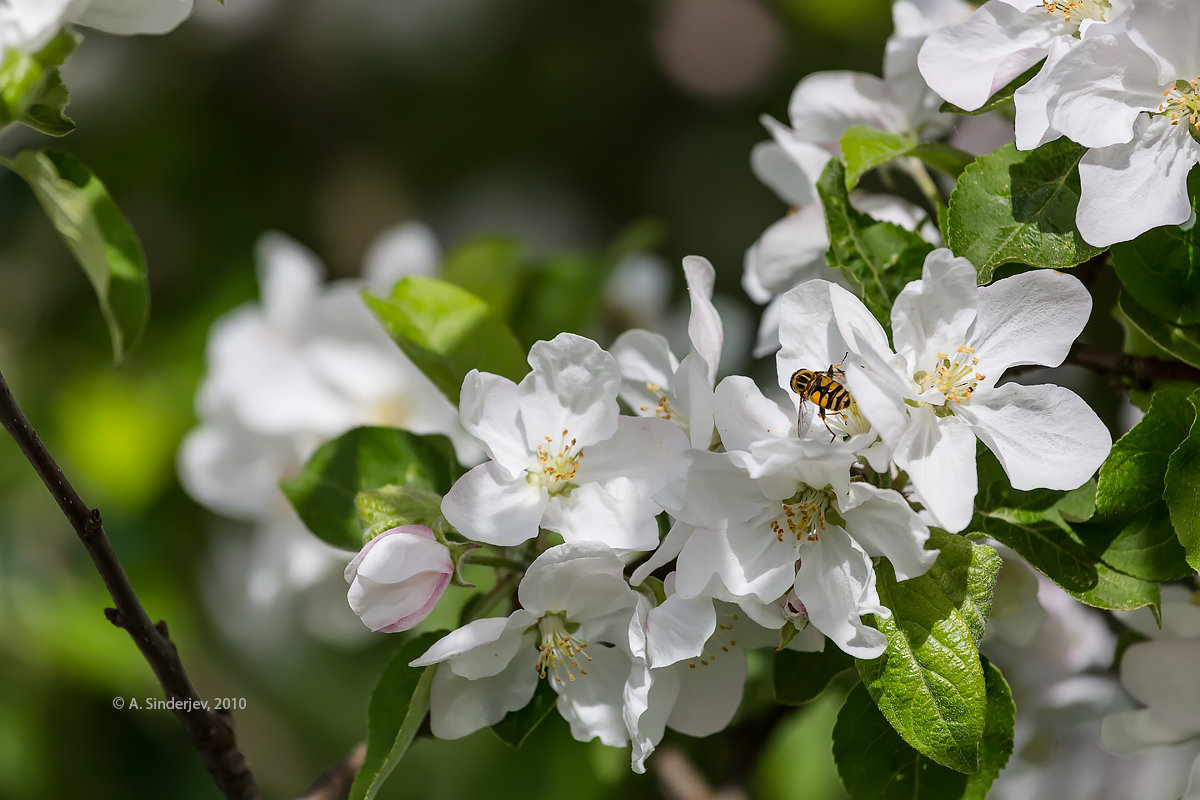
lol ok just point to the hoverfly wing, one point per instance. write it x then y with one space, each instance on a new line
804 418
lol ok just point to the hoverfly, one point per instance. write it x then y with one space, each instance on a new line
824 391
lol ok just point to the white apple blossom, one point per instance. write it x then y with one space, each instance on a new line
305 364
655 383
791 501
969 62
28 25
398 577
938 391
561 457
1141 122
572 629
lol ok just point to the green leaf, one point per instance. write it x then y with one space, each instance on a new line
963 563
1019 206
800 678
390 507
929 682
878 258
1132 527
1001 98
1182 488
31 88
97 234
1160 269
492 269
1180 341
998 729
325 493
562 293
447 332
865 148
876 764
516 726
397 709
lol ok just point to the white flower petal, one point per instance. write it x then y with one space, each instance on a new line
704 324
592 704
1030 318
573 387
791 172
480 648
748 561
1130 731
824 105
489 506
939 456
744 415
128 17
458 706
645 360
934 313
643 450
1127 189
969 62
398 252
671 544
550 580
490 409
1046 437
883 524
836 583
616 513
809 158
677 629
709 693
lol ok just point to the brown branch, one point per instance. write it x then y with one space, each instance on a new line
678 778
211 732
1139 370
335 782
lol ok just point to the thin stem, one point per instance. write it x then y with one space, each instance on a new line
335 782
924 181
499 562
211 732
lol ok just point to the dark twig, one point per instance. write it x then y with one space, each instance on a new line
335 782
211 732
1139 370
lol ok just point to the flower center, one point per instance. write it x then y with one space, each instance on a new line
1181 103
557 467
803 515
955 377
1075 12
663 410
558 651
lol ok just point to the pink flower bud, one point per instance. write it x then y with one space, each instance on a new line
398 577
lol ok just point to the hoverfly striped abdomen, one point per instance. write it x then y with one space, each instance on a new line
822 390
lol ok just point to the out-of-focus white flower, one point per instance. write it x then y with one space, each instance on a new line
656 384
561 457
398 577
28 25
572 629
1141 121
305 364
937 392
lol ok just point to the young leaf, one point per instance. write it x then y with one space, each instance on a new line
1019 206
324 493
562 293
878 258
965 564
800 678
1181 341
447 332
1182 488
31 89
97 234
929 683
865 148
390 507
1160 269
492 269
397 709
876 764
516 726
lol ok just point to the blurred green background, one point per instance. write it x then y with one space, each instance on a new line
330 120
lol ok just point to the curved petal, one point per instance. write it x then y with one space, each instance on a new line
1046 437
127 17
400 554
592 704
677 629
836 583
748 561
704 323
790 172
458 706
289 279
671 544
1162 675
743 415
1127 189
969 62
1030 318
490 410
825 105
939 456
573 386
617 514
645 361
883 524
694 401
790 251
710 692
548 581
933 314
644 451
498 638
808 158
489 506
